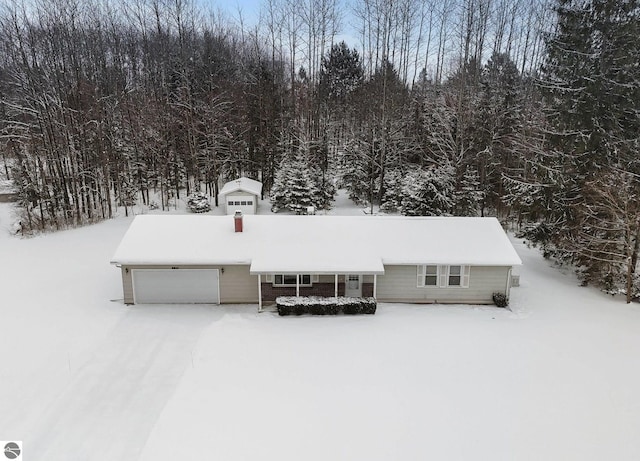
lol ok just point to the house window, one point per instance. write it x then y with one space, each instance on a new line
249 202
431 275
287 280
455 276
244 203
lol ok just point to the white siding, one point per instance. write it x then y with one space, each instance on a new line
241 196
399 284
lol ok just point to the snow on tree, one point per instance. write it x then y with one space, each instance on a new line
198 202
469 195
592 88
392 198
498 122
610 232
301 188
341 73
428 192
280 194
296 187
357 171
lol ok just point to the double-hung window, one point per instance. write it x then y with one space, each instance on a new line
454 278
431 276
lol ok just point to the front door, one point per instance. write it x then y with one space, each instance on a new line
353 285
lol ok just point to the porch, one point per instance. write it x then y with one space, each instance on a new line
315 271
271 286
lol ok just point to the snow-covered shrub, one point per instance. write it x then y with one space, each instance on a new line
300 309
500 300
198 202
317 309
352 309
369 306
317 305
331 309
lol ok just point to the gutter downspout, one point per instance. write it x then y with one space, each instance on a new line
259 293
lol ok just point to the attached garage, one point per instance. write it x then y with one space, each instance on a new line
176 286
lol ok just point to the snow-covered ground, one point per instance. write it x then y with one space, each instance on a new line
83 377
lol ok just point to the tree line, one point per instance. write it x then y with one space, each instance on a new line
523 110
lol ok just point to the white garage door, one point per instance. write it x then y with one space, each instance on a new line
240 202
176 286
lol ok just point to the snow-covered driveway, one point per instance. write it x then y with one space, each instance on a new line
111 402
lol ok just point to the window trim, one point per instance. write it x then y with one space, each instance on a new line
272 278
427 274
443 276
459 275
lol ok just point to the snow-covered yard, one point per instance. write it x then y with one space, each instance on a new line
83 377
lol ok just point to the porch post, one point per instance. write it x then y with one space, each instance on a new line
375 285
259 293
336 286
297 284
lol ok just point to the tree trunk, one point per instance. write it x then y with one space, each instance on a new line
631 269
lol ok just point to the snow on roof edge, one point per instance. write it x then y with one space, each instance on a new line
308 240
243 183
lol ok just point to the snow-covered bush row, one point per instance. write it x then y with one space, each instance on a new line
316 305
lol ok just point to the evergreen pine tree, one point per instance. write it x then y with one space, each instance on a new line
392 198
280 192
300 188
592 88
468 197
341 74
356 174
428 192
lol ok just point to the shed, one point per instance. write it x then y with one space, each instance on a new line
241 194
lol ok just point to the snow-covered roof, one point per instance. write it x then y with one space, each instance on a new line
316 244
242 184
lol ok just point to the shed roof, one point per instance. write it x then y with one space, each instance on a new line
242 184
316 244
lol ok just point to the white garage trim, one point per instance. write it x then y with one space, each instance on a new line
245 203
176 286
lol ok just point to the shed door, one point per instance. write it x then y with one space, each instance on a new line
176 286
244 203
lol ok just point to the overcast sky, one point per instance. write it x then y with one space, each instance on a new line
251 13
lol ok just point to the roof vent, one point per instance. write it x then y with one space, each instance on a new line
237 219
